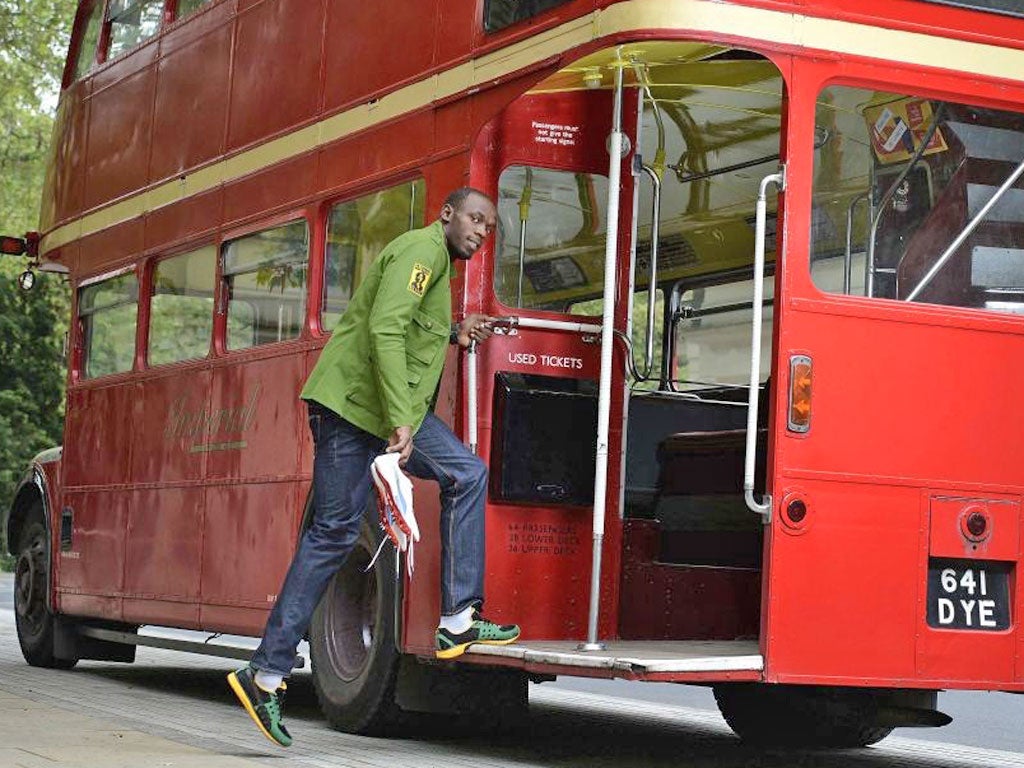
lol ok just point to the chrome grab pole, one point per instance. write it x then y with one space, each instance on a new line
890 193
764 506
848 262
971 226
524 214
607 341
472 416
652 291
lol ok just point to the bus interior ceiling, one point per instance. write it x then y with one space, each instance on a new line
707 123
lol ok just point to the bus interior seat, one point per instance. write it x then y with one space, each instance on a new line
692 550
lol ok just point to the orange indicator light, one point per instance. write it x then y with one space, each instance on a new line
799 419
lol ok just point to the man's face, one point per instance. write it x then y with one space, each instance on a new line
466 227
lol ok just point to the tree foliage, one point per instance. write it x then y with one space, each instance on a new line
33 41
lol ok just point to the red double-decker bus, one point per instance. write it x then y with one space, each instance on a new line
749 417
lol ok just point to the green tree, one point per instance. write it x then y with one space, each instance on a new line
33 41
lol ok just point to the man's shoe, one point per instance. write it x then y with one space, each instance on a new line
450 645
263 707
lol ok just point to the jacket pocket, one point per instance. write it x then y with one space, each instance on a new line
426 337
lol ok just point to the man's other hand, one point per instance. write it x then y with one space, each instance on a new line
474 328
401 442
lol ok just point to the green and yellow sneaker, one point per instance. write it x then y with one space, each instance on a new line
263 707
450 645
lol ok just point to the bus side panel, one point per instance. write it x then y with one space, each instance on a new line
843 598
249 537
255 492
164 535
92 569
908 410
190 109
65 171
97 455
275 78
267 190
162 562
353 37
119 134
168 416
400 143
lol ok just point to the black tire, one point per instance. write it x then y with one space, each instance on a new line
32 616
352 640
800 716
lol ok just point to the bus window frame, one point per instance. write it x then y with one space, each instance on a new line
318 257
509 309
147 291
78 358
103 46
310 215
78 29
710 280
867 75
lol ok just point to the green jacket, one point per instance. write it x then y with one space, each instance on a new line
382 364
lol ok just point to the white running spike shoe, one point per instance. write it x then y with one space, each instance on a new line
394 505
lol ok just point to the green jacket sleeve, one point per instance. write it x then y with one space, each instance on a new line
405 279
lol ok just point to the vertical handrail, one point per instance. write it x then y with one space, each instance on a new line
652 291
876 219
524 215
471 397
607 342
848 261
763 507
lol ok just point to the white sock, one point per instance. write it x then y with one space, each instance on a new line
267 681
459 622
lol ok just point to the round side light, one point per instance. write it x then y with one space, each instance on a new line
796 512
975 524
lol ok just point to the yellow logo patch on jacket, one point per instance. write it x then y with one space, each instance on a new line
419 279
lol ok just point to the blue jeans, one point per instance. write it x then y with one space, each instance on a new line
341 487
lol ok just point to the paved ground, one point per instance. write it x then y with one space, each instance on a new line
173 709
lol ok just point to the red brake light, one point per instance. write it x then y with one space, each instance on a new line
12 246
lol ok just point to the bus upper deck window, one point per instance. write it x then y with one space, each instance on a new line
186 7
131 22
499 14
108 313
266 282
90 36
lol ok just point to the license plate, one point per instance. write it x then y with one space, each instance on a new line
968 594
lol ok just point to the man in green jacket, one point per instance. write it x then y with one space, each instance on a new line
371 391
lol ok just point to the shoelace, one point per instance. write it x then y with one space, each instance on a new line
273 705
395 529
409 562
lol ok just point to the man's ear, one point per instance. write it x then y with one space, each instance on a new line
446 213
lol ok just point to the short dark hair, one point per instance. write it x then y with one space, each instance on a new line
457 197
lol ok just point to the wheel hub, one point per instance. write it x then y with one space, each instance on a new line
29 578
352 618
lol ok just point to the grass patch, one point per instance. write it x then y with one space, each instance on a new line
7 562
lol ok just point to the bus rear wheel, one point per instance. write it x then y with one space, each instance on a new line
800 716
352 640
32 616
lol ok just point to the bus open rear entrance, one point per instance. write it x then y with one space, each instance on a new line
681 587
